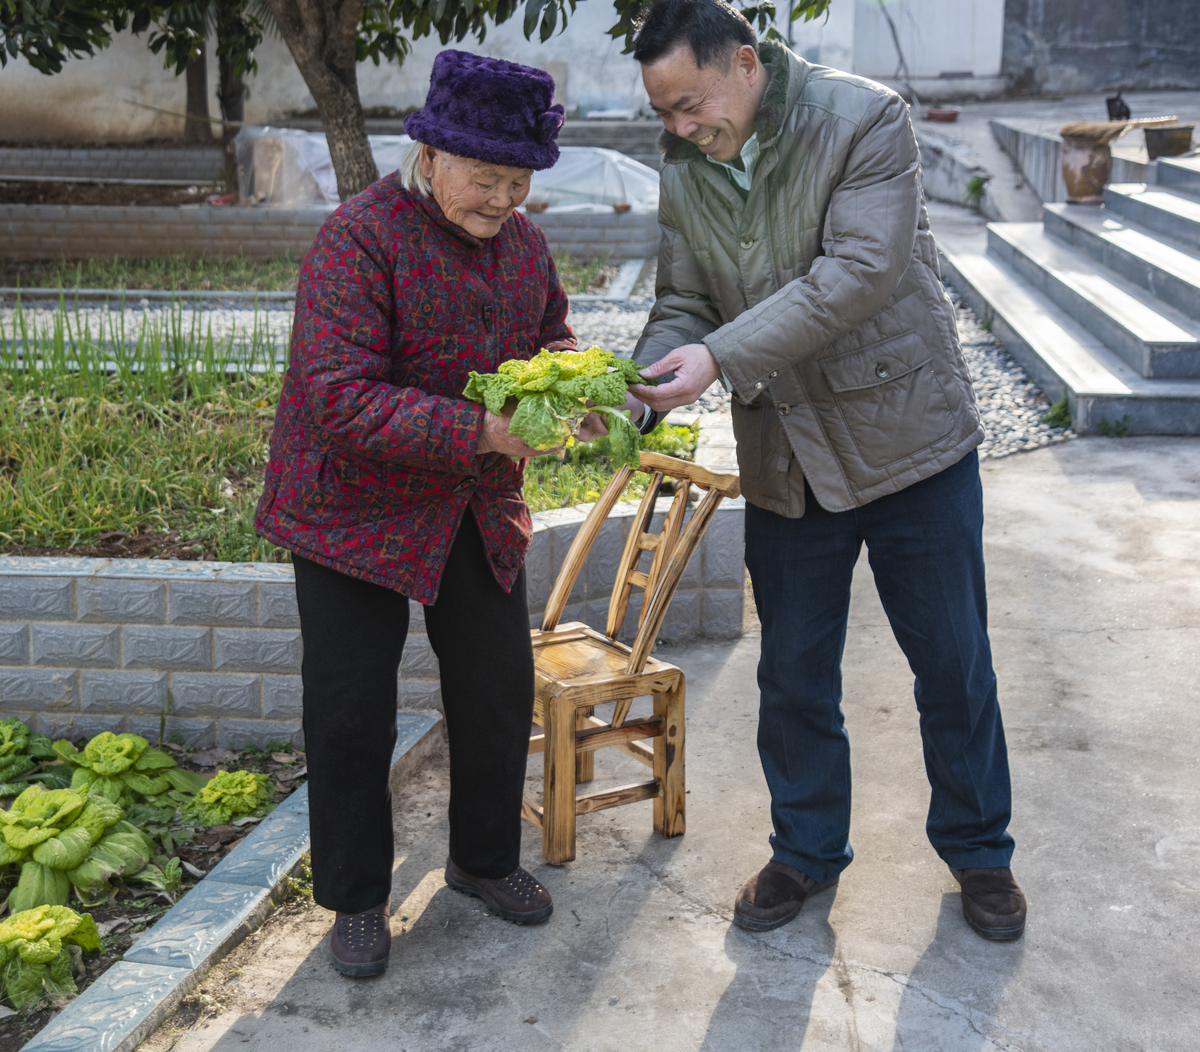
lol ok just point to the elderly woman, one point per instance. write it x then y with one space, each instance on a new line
387 485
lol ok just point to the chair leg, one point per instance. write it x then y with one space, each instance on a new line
585 767
668 763
558 786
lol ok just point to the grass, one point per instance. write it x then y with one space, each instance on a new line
105 432
181 272
101 431
584 470
186 273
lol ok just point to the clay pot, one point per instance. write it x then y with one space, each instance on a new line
1086 168
1168 142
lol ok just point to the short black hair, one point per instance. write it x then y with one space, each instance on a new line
711 28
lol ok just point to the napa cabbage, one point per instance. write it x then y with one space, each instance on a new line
552 392
34 951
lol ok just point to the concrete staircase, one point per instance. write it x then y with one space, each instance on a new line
1101 304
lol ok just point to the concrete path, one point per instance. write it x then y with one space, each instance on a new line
1094 565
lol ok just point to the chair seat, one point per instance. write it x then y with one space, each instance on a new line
578 659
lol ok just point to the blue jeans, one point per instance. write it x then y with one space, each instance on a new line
926 551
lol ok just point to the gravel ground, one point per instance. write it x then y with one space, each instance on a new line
1011 406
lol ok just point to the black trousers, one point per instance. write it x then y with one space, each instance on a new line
354 635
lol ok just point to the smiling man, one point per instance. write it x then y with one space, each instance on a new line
796 263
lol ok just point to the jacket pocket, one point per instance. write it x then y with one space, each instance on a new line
324 489
749 431
890 398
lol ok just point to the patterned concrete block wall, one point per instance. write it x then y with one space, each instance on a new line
202 163
88 645
634 235
101 231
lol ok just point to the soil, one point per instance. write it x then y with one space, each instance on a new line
136 907
137 144
120 545
46 193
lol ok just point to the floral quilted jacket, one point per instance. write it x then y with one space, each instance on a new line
373 457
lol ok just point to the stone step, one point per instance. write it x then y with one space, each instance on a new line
1180 173
1164 212
1062 357
1155 339
1161 267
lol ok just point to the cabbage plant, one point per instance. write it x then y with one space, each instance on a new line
20 752
61 839
230 793
35 954
124 769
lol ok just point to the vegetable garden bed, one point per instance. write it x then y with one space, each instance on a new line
150 442
189 834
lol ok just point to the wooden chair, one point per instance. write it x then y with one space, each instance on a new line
578 668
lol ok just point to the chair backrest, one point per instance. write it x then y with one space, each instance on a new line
672 547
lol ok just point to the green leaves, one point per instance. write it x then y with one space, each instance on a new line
553 392
124 769
39 886
229 793
34 953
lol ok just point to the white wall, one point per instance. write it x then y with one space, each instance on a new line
938 36
93 99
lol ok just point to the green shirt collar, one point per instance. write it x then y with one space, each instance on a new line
741 176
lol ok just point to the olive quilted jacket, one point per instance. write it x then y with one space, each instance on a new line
373 457
819 295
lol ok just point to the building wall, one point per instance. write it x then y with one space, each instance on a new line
105 98
1053 46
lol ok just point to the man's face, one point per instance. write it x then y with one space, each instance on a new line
713 107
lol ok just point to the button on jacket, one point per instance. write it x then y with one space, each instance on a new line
373 457
819 295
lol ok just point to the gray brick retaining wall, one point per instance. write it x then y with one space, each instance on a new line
201 164
88 645
102 231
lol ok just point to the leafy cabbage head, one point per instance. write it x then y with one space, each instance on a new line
34 954
20 750
123 768
39 814
229 793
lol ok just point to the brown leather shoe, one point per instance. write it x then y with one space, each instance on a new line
360 942
992 902
517 898
773 896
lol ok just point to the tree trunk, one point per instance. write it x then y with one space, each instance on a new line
322 37
197 131
231 93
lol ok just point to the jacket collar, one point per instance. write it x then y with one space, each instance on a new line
787 73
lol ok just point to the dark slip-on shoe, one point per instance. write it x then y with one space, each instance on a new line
773 896
518 897
360 942
992 902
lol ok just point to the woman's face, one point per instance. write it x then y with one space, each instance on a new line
474 195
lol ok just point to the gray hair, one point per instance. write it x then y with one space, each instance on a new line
411 176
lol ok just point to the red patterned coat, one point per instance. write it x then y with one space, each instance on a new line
373 457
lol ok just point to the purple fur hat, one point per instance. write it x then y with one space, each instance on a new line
489 109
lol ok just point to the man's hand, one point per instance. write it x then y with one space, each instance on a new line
695 371
496 438
591 427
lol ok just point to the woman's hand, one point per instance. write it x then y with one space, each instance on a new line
496 438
